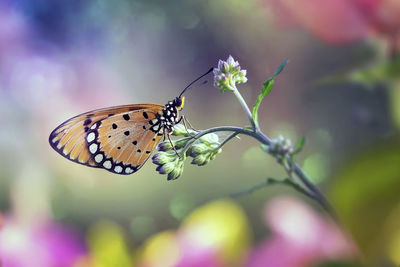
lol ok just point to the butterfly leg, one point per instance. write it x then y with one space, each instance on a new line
184 121
190 125
172 144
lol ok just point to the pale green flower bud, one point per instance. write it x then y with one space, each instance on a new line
167 146
166 168
169 163
198 149
164 146
180 130
177 171
215 153
200 160
163 157
209 139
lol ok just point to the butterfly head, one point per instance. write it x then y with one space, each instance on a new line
179 102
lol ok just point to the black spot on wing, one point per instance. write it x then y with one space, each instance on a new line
87 121
126 133
114 126
145 115
126 117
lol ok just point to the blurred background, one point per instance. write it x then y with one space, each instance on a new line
341 90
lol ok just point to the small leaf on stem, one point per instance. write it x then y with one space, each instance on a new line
266 89
299 146
280 68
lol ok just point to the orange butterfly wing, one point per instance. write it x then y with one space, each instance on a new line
123 142
69 139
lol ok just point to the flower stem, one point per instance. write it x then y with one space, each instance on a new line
245 108
319 197
313 189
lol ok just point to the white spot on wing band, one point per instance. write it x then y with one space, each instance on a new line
93 148
98 158
90 137
118 169
155 128
128 170
107 164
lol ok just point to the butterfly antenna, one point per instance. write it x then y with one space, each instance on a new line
187 87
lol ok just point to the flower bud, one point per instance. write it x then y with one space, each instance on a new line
166 168
227 74
180 130
169 163
167 146
215 153
163 157
200 160
209 139
197 149
280 147
176 172
164 146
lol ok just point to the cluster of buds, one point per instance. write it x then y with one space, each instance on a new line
228 74
280 148
169 163
172 154
205 149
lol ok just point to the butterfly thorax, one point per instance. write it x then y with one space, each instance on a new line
167 117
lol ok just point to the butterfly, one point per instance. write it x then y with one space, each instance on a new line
118 139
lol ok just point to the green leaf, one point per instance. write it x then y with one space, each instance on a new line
266 89
299 145
280 68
